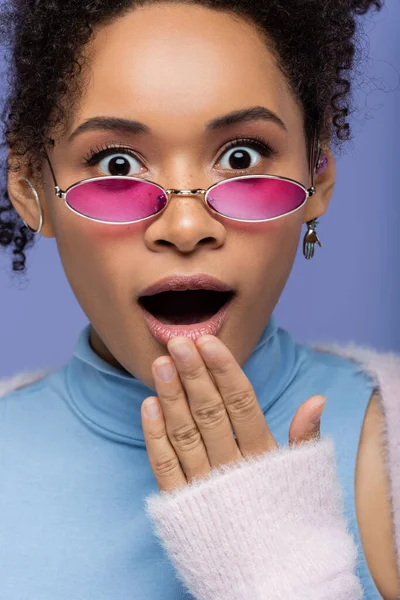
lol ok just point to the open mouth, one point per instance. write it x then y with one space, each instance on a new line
185 307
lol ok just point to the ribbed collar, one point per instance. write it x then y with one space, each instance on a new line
108 399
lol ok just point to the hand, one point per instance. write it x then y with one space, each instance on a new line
190 437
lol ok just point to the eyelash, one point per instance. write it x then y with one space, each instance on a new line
255 142
96 154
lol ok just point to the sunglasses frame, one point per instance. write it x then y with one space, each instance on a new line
62 194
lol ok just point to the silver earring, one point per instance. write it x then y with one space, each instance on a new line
310 239
39 207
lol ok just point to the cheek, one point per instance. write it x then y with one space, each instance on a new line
99 261
265 262
271 249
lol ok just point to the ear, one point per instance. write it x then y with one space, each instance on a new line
23 198
318 204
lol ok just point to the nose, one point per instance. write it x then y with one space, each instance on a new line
186 224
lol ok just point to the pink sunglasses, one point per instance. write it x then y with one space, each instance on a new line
119 200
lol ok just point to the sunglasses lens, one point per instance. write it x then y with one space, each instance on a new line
116 200
256 198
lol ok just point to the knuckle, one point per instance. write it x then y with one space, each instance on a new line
170 396
194 374
186 437
156 434
240 403
166 467
222 368
210 416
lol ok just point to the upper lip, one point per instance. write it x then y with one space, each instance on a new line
201 281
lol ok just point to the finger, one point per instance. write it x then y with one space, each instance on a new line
306 422
252 432
181 427
162 456
205 403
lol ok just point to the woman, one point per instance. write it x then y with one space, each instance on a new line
121 117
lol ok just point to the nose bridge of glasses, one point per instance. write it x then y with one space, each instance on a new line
174 192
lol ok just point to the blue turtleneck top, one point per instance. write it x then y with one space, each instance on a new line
74 470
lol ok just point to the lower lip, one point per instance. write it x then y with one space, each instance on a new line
163 333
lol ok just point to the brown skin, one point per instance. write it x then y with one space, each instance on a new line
179 67
373 506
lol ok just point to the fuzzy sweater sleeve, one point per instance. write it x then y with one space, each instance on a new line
268 528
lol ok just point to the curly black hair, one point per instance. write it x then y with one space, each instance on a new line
315 41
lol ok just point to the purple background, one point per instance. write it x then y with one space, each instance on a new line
349 292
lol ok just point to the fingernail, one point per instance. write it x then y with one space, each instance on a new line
208 348
180 349
318 409
152 408
165 370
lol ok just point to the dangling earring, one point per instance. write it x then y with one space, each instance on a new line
35 232
310 239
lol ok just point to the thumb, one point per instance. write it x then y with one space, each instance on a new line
306 422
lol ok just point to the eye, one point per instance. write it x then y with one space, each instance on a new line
113 160
240 158
244 154
120 164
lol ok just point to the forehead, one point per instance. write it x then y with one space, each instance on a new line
166 62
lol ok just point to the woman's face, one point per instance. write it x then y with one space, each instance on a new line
175 68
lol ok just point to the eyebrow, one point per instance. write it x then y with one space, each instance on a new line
110 124
244 115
